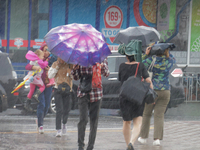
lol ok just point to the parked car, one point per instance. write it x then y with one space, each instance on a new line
3 99
111 87
8 78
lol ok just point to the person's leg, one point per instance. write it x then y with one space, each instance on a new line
66 108
40 109
159 110
83 119
94 117
137 122
32 90
127 131
41 87
144 133
47 95
27 105
59 109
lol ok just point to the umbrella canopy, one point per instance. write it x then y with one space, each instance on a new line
77 44
146 34
160 48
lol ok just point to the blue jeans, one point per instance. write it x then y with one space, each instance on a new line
43 106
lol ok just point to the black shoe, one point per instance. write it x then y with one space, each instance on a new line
130 147
27 105
36 95
80 148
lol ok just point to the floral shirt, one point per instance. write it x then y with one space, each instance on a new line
160 70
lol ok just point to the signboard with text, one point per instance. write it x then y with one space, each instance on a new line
113 16
195 36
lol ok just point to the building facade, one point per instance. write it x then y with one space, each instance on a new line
24 23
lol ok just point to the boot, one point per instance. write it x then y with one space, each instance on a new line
27 105
36 95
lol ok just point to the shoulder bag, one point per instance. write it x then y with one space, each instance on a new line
86 83
64 88
150 70
150 96
134 90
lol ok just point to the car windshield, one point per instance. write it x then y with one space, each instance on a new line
114 62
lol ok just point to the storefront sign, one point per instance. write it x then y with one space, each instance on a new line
113 48
195 36
18 42
37 43
163 15
113 18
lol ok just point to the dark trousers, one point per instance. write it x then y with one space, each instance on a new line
63 106
93 108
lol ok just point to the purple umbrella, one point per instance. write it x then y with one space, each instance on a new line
77 44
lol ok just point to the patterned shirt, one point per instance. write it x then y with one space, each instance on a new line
96 93
160 70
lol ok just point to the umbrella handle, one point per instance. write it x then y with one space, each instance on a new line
23 83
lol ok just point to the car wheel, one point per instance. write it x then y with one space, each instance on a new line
53 104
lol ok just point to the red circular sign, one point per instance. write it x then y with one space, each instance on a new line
113 17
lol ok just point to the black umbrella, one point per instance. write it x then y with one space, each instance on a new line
160 47
146 34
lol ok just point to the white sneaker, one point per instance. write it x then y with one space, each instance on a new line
41 130
59 133
64 129
156 142
141 140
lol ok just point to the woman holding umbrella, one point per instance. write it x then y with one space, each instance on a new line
82 44
61 72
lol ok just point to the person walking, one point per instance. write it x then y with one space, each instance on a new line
131 111
45 96
61 72
91 102
163 64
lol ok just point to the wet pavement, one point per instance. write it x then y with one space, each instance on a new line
17 131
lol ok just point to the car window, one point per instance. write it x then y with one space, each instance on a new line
5 66
114 62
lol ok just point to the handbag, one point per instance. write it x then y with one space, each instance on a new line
150 69
64 88
134 90
150 96
86 83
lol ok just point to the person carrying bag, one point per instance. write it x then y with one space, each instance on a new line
132 101
161 70
61 72
89 102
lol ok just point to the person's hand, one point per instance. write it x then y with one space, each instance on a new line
76 66
148 49
102 64
57 63
46 68
37 68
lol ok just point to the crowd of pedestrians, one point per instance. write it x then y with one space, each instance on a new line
55 74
